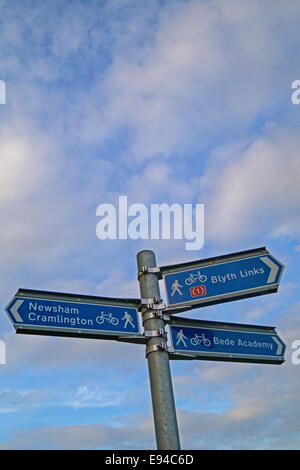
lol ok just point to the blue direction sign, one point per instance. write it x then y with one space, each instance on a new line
222 279
39 312
217 341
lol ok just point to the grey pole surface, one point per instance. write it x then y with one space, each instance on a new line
164 412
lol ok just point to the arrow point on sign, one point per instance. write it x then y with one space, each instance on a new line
279 345
273 269
14 310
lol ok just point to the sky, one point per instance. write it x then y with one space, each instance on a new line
164 101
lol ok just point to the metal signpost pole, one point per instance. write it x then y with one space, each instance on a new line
165 421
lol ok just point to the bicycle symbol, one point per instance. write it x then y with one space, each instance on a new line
195 277
108 317
198 339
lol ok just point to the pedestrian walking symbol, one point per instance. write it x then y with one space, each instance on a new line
180 338
128 319
176 288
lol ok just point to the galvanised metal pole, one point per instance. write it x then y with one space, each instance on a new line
164 412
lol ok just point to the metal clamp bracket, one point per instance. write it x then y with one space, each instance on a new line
154 303
153 314
147 270
153 333
156 347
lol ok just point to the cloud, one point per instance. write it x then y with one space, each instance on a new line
177 103
181 84
160 77
26 176
13 400
258 190
23 166
56 352
93 396
97 436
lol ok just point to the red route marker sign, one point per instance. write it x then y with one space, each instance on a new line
197 291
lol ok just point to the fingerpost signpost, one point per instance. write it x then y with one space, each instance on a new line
188 285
